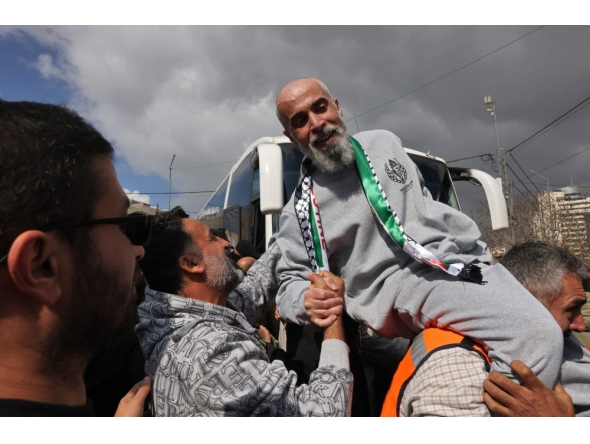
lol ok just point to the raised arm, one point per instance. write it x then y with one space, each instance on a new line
259 287
293 269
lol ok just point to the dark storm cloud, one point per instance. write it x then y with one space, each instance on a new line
206 93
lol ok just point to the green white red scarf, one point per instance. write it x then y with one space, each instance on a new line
308 215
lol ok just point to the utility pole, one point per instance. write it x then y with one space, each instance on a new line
511 208
491 107
170 181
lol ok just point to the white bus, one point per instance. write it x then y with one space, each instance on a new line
250 199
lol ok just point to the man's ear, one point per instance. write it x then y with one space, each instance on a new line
191 263
35 264
293 141
338 107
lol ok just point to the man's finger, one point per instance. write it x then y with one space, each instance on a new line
565 400
331 284
318 281
526 375
144 384
495 406
132 403
505 383
324 314
324 322
559 388
316 294
143 389
328 279
497 393
322 304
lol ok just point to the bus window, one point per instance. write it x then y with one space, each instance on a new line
437 179
240 194
211 214
256 185
292 159
257 229
231 223
257 222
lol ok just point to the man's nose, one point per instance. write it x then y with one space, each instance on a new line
139 252
316 121
227 246
578 324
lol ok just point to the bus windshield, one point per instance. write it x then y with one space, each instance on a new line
292 159
437 180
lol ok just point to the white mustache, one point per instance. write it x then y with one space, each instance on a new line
325 132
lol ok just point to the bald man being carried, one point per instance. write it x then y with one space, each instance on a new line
362 211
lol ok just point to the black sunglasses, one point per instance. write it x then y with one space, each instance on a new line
136 226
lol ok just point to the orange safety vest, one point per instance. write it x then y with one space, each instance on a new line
425 344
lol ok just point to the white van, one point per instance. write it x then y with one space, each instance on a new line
250 199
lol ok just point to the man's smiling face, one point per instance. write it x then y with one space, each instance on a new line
312 119
306 108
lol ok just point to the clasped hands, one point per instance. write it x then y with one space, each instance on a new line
324 298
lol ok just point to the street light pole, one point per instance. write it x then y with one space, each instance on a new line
170 181
545 179
491 107
506 187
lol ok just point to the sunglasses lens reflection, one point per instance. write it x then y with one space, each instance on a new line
138 229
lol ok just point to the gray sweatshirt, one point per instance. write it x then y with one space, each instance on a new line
397 296
205 361
575 374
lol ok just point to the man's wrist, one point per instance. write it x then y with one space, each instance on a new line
335 331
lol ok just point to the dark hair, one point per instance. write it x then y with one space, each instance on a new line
541 266
48 173
219 232
169 241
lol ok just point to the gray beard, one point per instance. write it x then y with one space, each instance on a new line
221 274
335 156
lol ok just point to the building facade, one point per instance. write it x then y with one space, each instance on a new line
563 219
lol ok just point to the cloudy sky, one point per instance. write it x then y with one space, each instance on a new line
206 93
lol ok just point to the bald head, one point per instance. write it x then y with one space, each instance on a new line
296 88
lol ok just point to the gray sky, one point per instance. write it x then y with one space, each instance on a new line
206 93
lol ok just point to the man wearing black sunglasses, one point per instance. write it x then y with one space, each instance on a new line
67 255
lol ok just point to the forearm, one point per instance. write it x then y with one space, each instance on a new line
292 270
335 331
259 288
328 393
290 299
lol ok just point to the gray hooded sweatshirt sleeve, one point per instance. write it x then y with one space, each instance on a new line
575 374
204 361
259 287
396 296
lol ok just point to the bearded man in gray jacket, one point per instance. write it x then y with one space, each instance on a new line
199 342
408 262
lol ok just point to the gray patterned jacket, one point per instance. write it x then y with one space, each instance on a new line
205 361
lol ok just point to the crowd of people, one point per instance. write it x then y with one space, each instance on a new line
390 303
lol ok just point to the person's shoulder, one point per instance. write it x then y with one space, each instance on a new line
378 138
